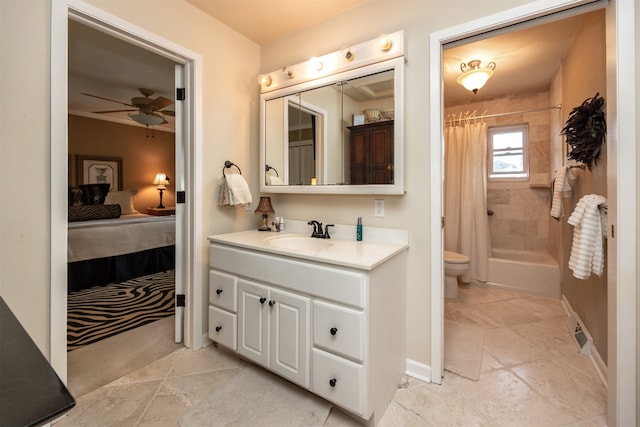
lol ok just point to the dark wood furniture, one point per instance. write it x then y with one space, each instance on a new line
371 159
169 210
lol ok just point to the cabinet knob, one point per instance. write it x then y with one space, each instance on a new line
218 328
272 303
262 300
218 291
333 331
332 382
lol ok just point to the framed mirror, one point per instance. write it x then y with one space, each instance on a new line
342 133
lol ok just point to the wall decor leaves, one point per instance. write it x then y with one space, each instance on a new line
585 131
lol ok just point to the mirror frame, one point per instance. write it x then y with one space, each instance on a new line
395 64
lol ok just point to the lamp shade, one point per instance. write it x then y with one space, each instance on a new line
474 77
264 206
161 180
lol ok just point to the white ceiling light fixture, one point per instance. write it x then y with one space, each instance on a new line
148 119
474 76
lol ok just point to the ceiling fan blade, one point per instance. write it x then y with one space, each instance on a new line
112 111
158 103
167 113
107 99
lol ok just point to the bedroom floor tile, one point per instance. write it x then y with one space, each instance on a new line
531 375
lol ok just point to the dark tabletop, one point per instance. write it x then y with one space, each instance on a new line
31 393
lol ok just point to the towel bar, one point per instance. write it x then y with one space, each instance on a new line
267 168
227 165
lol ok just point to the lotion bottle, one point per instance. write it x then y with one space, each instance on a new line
359 229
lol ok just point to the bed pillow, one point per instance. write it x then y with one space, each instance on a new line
92 194
124 199
92 212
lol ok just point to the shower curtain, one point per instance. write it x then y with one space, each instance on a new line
465 193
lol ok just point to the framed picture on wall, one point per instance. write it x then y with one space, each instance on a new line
100 170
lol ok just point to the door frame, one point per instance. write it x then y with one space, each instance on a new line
621 117
192 251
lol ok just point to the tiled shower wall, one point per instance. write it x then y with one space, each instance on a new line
520 208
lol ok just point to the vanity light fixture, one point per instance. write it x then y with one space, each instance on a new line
289 71
264 79
348 54
474 76
316 64
384 42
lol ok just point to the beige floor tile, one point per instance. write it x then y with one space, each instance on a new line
438 405
489 363
337 418
207 359
546 335
506 400
157 370
544 308
118 406
571 380
179 394
510 349
504 313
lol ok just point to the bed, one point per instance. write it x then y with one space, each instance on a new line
118 248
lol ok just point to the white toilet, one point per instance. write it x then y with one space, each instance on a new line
455 265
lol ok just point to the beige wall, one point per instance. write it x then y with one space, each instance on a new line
584 74
142 156
521 208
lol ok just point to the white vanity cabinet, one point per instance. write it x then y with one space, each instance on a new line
273 330
335 330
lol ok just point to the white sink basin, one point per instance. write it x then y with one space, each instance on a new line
298 243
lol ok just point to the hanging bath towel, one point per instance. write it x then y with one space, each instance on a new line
238 190
587 254
559 185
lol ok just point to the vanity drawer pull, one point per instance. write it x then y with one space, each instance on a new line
333 331
218 291
218 328
262 300
332 382
272 303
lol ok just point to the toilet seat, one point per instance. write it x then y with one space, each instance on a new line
455 258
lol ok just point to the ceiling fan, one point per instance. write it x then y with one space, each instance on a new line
147 111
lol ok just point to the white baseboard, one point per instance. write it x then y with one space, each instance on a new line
418 370
596 359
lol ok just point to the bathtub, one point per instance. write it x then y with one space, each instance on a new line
534 272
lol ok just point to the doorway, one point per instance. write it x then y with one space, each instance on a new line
188 148
621 353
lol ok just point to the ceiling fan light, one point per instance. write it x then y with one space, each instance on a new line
147 119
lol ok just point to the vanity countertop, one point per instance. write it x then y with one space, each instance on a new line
364 255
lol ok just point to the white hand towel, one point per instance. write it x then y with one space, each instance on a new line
239 193
559 185
223 192
274 180
587 254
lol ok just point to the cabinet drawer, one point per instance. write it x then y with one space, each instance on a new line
339 330
223 290
338 380
223 327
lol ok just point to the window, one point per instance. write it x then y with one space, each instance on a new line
508 152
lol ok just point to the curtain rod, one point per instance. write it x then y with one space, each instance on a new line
483 116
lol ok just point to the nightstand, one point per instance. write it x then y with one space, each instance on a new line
169 210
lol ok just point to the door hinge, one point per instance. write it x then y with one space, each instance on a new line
181 196
180 94
180 300
441 222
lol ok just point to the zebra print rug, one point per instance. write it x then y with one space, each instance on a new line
103 311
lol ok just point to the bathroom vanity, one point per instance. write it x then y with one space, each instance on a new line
326 314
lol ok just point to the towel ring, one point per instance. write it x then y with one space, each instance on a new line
267 168
227 165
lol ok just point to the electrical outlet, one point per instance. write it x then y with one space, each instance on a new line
378 208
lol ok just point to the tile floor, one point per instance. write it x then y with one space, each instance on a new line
532 375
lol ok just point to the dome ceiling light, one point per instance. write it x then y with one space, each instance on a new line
474 76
